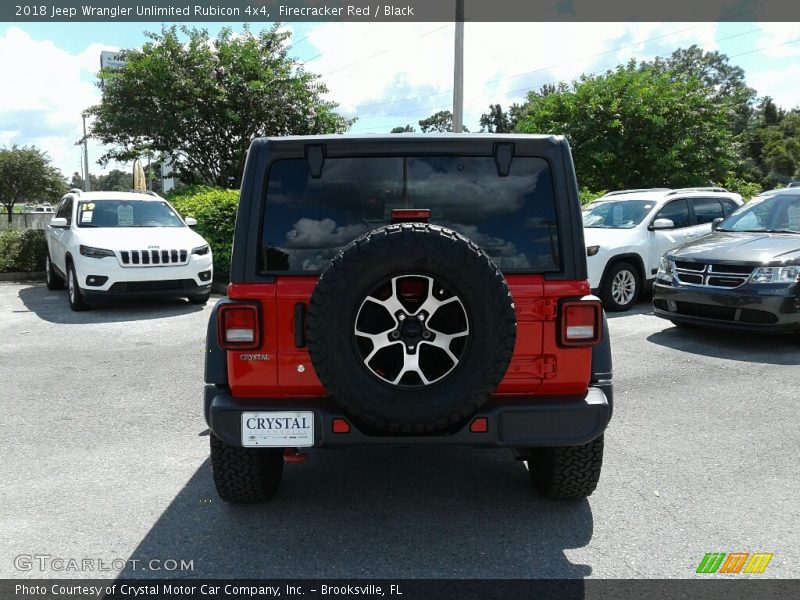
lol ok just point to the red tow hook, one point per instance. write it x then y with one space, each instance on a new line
294 455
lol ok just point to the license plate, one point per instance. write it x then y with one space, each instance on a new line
280 429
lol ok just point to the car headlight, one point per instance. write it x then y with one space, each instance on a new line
592 250
201 250
95 252
665 269
775 275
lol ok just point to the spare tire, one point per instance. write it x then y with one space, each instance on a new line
411 328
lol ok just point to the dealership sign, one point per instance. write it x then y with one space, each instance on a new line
111 60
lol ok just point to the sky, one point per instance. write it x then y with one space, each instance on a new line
385 74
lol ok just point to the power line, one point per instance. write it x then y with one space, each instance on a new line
617 49
551 82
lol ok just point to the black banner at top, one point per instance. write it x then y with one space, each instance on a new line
399 11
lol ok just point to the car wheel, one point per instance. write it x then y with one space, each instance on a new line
54 282
243 475
202 299
621 287
76 301
566 472
411 328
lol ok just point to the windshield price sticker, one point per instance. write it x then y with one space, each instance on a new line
125 216
86 216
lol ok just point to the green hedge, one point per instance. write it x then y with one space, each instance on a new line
215 211
22 250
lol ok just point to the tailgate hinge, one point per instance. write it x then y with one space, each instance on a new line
545 309
546 366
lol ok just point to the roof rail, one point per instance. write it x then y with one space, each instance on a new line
76 191
618 192
697 189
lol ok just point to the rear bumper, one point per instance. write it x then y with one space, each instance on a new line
513 422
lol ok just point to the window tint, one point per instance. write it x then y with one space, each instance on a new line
676 211
306 220
728 205
706 210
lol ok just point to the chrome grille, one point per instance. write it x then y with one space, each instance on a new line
154 258
712 275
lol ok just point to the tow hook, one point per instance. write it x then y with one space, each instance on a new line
294 455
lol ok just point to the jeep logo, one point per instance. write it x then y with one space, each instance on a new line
153 247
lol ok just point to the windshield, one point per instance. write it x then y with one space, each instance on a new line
616 214
127 213
777 213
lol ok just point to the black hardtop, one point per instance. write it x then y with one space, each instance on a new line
554 149
474 144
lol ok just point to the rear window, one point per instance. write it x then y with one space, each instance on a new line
306 220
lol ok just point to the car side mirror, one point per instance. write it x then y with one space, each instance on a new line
715 223
59 223
663 224
190 221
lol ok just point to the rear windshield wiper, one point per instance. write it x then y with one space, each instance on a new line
781 231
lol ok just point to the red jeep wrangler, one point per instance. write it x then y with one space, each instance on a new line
408 289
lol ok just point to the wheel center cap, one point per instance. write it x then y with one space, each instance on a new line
411 330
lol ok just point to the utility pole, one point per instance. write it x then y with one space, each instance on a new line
458 75
87 186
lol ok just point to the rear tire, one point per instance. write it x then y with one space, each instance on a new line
76 301
566 472
54 281
621 287
245 475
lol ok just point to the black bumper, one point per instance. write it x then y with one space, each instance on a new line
142 290
513 423
773 309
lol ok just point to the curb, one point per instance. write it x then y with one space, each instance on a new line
22 276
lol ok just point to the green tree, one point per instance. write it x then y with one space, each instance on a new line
26 173
199 101
636 126
113 181
497 120
440 122
722 82
406 129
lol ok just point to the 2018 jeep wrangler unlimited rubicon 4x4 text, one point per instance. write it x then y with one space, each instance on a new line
404 290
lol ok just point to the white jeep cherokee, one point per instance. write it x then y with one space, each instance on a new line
626 233
106 244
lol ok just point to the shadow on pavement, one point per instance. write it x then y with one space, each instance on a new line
53 306
376 513
733 345
643 307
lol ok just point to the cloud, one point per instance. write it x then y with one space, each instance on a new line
51 87
404 72
776 40
782 85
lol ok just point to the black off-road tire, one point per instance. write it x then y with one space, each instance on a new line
245 475
53 279
567 472
628 271
76 301
423 249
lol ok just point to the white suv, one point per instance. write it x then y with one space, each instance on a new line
626 233
118 243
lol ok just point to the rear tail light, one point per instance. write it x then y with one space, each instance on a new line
239 327
581 323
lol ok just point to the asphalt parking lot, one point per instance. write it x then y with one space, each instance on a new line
105 457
